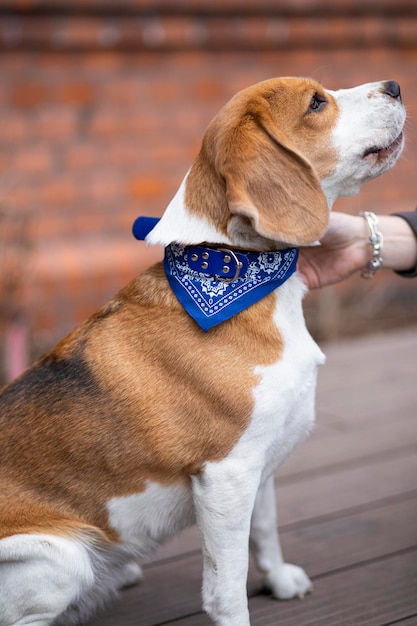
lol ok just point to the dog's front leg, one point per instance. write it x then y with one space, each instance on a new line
283 579
224 496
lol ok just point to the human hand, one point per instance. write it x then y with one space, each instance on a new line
343 250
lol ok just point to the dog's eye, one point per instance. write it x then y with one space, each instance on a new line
317 103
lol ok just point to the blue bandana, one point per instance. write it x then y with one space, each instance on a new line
214 284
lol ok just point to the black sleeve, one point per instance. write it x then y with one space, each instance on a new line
411 219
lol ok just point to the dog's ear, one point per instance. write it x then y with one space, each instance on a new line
270 183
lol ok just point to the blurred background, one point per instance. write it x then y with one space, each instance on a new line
103 105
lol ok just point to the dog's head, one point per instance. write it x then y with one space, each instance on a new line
277 156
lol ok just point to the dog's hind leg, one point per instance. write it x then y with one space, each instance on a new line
131 575
283 579
41 575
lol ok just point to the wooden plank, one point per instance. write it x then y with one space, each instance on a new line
332 418
367 375
372 595
322 495
364 358
329 448
411 621
329 545
362 402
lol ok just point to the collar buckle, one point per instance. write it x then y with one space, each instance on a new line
228 257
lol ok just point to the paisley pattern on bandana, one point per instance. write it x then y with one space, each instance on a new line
210 300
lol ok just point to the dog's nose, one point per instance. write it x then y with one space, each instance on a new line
392 88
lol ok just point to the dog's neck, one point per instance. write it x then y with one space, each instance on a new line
180 225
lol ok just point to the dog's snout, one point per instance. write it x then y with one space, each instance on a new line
392 89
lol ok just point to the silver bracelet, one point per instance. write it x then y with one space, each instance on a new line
376 240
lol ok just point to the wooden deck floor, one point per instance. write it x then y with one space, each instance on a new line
347 503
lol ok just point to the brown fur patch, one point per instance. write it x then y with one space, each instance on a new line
136 393
26 511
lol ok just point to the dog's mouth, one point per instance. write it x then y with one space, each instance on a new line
386 151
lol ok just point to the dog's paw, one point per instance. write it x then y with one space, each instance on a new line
288 581
131 575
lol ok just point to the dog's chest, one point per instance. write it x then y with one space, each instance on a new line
284 407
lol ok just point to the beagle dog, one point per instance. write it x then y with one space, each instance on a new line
176 402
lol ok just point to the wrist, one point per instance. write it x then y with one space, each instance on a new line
375 241
400 243
360 239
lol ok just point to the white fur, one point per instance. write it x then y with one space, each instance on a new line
232 500
356 131
146 519
178 224
40 575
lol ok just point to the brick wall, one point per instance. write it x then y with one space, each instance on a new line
102 110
